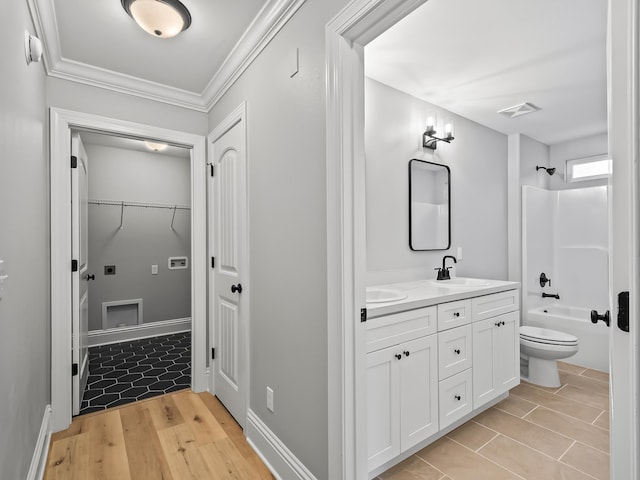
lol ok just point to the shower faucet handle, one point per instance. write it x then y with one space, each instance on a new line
544 280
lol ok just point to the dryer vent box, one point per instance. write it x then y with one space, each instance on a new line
178 263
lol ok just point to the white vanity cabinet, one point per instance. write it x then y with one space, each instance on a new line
402 385
430 367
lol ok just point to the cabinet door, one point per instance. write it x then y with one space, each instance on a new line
507 352
419 390
383 406
496 357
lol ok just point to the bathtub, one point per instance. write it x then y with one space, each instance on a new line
593 340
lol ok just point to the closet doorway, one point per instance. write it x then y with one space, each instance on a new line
131 218
123 310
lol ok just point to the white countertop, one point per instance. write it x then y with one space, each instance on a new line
424 293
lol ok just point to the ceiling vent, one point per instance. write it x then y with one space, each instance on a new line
518 110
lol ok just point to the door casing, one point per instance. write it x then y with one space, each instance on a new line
60 123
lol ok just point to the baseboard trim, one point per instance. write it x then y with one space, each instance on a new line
276 456
39 458
136 332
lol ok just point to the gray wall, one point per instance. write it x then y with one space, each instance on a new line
287 231
24 246
394 122
146 237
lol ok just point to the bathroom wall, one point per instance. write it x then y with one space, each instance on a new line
24 246
146 238
288 231
578 148
394 123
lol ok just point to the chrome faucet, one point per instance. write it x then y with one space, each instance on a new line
443 273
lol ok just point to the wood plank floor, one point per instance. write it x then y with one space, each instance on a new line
178 436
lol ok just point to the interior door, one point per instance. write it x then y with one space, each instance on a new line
229 277
79 276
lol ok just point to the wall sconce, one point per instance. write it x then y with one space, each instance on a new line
429 138
160 18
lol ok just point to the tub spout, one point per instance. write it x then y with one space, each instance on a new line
551 295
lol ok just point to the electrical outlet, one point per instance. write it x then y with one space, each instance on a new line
154 269
459 254
270 399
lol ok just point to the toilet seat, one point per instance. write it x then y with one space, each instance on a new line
547 336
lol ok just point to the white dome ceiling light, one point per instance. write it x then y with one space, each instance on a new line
160 18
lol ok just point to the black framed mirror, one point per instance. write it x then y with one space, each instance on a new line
429 206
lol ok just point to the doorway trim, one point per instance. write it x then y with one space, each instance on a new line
345 36
60 124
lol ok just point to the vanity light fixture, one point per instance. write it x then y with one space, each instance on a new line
429 138
155 146
160 18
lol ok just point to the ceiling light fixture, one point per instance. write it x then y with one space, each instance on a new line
160 18
155 146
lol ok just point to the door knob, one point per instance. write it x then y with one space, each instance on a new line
91 277
595 317
236 288
457 351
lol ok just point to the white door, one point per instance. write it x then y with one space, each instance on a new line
79 277
230 282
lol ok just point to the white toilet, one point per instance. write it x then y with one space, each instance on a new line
541 347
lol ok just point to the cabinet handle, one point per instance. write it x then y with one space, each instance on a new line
457 397
406 353
456 314
457 350
398 356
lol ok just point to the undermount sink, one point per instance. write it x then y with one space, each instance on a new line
381 295
461 282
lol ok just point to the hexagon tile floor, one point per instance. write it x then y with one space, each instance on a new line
124 372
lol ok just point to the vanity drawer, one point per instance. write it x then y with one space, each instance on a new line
400 327
455 397
454 351
489 306
454 314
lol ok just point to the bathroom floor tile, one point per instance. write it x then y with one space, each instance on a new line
586 383
527 463
472 435
596 374
530 434
560 404
585 432
124 372
587 459
595 399
603 420
461 463
515 405
413 468
568 367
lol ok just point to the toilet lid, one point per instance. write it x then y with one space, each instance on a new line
545 335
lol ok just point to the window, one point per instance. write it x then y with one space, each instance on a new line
588 168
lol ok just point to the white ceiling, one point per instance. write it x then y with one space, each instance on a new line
96 42
477 57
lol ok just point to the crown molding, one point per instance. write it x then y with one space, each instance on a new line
269 21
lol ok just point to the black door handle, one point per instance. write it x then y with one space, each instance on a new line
595 317
236 288
91 277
